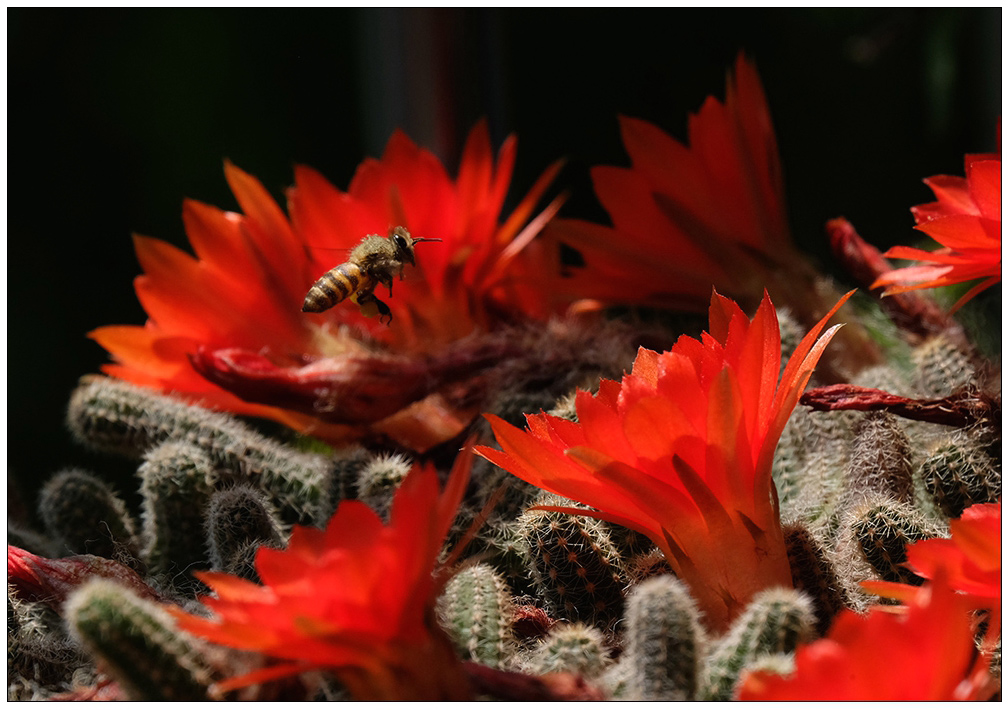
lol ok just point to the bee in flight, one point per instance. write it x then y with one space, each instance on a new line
376 260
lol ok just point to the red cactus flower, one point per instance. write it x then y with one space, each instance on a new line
966 221
226 328
356 599
926 652
970 559
686 217
681 451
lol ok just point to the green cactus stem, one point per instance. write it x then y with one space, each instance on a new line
177 479
113 416
138 644
883 530
85 516
570 648
379 479
812 572
958 474
239 520
476 611
574 562
775 621
664 641
880 461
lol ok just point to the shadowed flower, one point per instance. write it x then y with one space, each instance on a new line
356 599
708 212
966 221
924 651
681 451
226 327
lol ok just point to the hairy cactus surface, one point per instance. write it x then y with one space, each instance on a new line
477 612
378 480
942 367
177 479
775 621
575 563
238 521
812 572
664 641
114 416
958 474
85 516
138 644
570 648
880 461
883 530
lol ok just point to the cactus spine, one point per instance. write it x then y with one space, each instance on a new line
176 481
476 611
574 562
118 417
664 641
378 480
138 643
880 459
239 520
570 648
883 529
83 514
812 572
775 621
959 474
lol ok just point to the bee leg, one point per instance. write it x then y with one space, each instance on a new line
371 305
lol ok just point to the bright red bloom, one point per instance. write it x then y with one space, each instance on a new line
685 217
681 451
966 221
226 327
970 559
356 599
925 652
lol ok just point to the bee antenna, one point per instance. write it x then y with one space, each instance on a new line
425 239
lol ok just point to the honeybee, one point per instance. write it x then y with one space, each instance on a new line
376 260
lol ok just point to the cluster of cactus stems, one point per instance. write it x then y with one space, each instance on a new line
538 592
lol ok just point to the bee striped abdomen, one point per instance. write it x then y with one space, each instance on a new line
334 286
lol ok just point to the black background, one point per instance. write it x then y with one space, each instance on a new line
115 115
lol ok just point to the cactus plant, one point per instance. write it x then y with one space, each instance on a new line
941 367
883 529
238 521
85 516
880 459
664 641
476 611
378 480
775 621
118 417
812 572
570 648
138 644
958 474
177 479
574 562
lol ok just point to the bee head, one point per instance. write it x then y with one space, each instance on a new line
404 244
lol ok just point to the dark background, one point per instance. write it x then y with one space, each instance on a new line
115 115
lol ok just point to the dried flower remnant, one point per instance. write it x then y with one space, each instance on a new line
225 327
681 450
356 599
966 221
